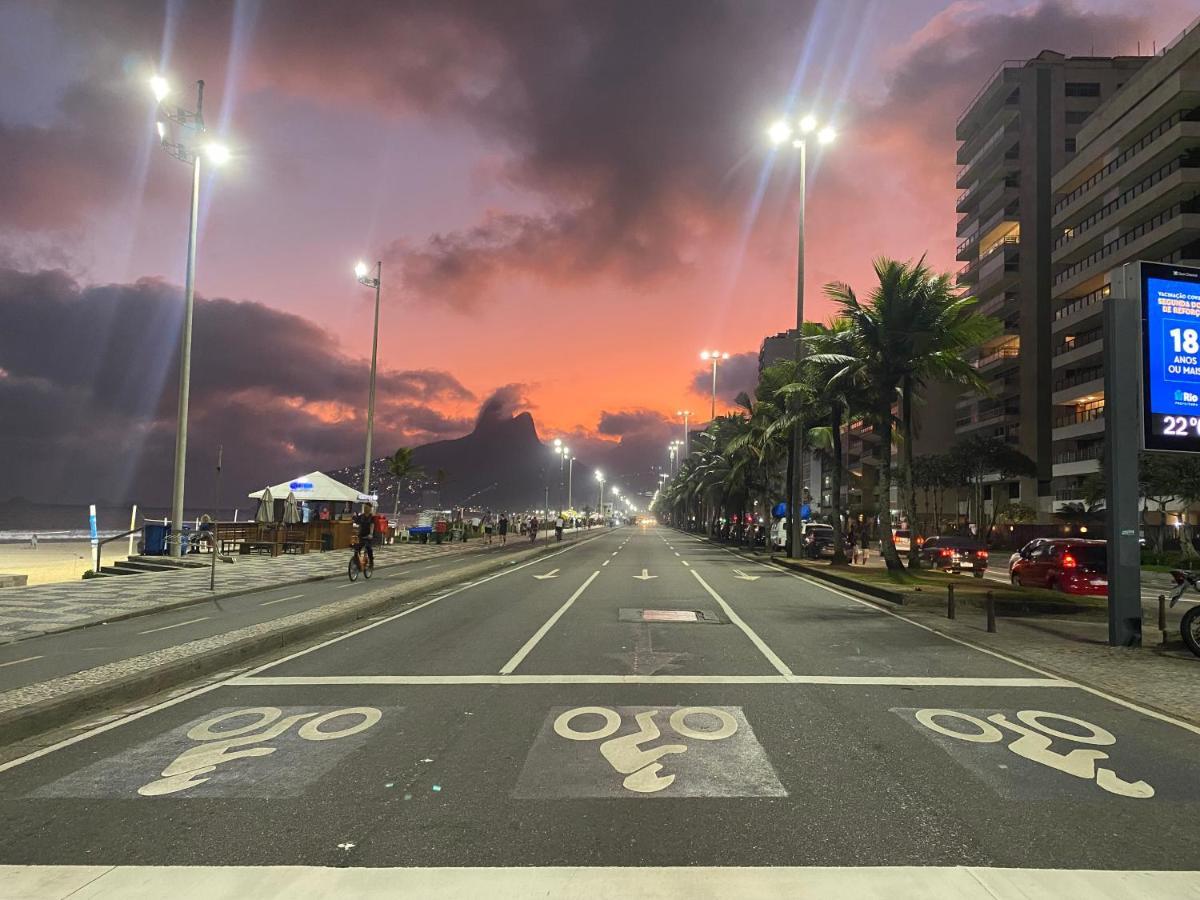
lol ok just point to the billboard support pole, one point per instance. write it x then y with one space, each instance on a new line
1122 437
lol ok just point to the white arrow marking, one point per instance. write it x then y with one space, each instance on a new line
738 573
553 573
645 576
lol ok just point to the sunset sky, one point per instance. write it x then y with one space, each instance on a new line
570 199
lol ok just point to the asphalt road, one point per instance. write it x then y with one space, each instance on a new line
642 699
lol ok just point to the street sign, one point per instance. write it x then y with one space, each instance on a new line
1170 310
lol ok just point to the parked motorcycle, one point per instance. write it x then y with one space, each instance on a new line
1189 626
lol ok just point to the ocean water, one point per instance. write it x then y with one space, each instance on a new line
21 519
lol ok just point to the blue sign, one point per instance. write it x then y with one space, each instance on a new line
805 512
1171 357
779 511
301 485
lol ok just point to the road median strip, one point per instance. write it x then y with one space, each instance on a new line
37 708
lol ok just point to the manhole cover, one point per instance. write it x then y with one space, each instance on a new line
693 616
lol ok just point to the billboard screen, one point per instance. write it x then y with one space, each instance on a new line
1171 357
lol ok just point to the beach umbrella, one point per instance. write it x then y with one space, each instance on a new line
266 508
291 509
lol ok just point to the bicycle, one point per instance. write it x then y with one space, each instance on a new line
360 562
1189 625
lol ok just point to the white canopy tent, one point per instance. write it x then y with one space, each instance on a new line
316 487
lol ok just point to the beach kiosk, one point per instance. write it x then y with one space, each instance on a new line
330 506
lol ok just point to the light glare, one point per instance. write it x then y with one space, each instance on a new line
360 269
808 123
779 132
162 130
826 135
218 154
159 85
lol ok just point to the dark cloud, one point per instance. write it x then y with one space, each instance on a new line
736 374
504 403
633 421
88 381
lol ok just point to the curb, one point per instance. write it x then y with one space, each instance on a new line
36 718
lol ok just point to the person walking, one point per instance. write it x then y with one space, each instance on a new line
559 525
533 529
502 527
488 527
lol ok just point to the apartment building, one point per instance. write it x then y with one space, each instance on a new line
1130 191
1020 128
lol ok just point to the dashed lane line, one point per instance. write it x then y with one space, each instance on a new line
859 680
176 625
541 632
281 599
737 620
15 662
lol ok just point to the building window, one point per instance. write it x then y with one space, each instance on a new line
1077 116
1083 89
1069 145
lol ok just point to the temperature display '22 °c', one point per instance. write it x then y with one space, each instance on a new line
1171 297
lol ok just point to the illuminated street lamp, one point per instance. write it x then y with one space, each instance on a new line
190 152
716 356
362 272
563 453
780 133
600 506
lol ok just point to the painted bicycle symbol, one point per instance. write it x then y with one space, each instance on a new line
1033 741
220 746
626 754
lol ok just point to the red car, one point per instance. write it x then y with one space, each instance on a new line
1070 566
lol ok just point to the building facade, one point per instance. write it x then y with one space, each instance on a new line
1020 129
1129 191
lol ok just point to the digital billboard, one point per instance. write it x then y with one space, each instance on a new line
1170 357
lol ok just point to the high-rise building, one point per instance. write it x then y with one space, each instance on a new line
1128 191
1019 129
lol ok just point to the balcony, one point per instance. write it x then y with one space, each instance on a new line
1076 348
1001 145
1077 462
986 415
1007 352
1088 187
970 271
1091 303
1083 421
1084 384
997 85
1080 270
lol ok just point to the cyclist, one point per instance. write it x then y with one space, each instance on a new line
365 524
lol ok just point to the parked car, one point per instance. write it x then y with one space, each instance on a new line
955 554
1070 566
812 534
1027 551
902 538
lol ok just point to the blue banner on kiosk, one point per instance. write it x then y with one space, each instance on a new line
1170 357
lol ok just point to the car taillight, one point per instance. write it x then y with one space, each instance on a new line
982 554
946 552
1068 561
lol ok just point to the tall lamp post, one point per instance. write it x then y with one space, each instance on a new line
685 413
185 151
780 133
716 356
562 452
671 451
600 505
363 273
570 482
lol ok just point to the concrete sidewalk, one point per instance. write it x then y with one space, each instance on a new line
45 608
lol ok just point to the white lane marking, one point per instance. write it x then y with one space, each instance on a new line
1150 713
746 629
166 704
281 599
606 562
676 552
16 662
553 573
862 680
614 553
176 625
645 576
739 574
272 882
541 632
686 563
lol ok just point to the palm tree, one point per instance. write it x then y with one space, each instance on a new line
912 329
401 467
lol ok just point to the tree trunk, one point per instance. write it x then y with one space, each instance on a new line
883 491
835 484
914 556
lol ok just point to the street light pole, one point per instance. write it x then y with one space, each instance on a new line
685 413
360 272
570 481
716 356
780 132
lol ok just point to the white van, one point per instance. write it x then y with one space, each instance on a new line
807 530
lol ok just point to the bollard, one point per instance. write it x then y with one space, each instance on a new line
950 607
990 605
1162 616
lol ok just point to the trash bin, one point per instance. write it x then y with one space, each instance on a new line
154 537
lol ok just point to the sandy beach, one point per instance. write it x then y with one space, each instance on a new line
55 560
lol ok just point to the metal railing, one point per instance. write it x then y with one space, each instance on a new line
1008 351
998 75
1088 299
1090 414
1108 208
1083 454
1128 237
1094 336
987 148
1082 377
1007 241
1124 157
